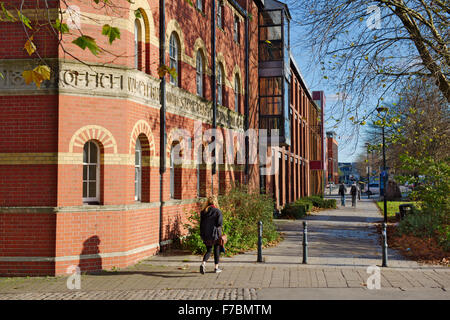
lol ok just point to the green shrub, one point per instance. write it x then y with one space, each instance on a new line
241 212
317 201
294 210
320 202
330 204
419 225
308 204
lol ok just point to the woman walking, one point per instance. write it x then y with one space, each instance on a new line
211 221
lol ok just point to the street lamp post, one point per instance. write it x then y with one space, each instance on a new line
384 175
368 172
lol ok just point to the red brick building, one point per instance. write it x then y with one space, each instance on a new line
85 177
332 158
88 173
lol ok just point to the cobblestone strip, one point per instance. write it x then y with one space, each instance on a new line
174 294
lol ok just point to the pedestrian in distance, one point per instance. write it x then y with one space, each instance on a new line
342 192
354 193
211 222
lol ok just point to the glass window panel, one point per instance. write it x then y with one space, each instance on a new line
85 152
84 189
85 170
92 172
272 51
92 189
270 86
92 153
137 158
270 33
270 17
270 105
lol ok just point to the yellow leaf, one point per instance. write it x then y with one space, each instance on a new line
29 46
37 75
44 71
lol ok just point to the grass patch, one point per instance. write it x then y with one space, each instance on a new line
392 206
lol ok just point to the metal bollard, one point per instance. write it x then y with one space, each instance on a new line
260 233
305 243
385 245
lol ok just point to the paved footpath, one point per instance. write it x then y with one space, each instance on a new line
342 244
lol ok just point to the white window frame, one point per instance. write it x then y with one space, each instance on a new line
199 5
138 167
236 29
220 15
97 174
199 73
136 44
220 85
173 54
172 174
237 88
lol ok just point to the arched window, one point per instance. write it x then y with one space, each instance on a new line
174 54
220 85
138 171
237 87
199 76
91 172
137 45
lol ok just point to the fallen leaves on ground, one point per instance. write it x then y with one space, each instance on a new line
423 250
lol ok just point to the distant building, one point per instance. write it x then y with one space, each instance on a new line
332 158
349 172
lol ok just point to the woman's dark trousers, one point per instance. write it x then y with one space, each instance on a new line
216 253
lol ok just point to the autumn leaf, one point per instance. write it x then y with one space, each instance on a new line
30 46
24 19
61 27
112 33
163 70
87 42
7 14
37 75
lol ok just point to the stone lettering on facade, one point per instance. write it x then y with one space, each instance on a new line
75 78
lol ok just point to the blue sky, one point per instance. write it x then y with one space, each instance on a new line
311 71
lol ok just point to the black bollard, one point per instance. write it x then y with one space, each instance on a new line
385 245
305 243
260 233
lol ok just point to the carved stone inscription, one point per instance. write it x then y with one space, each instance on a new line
74 78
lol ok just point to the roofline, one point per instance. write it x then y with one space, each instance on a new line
296 69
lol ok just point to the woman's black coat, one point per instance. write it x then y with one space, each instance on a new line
211 221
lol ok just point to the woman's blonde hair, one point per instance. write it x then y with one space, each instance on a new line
211 200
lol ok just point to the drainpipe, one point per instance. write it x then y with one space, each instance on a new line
247 98
162 114
213 85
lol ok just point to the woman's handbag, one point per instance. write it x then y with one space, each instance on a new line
223 240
